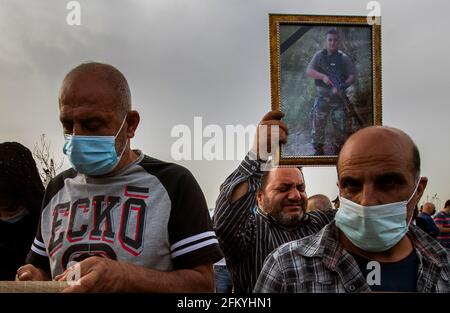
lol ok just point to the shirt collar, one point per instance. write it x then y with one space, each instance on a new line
427 247
326 245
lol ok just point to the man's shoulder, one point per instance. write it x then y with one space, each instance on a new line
158 167
288 250
323 214
345 57
441 216
320 218
297 247
57 182
427 246
319 54
174 177
424 216
310 246
304 255
342 54
69 173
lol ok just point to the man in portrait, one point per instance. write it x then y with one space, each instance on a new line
333 72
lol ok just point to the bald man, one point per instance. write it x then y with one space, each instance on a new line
371 245
131 222
425 220
318 202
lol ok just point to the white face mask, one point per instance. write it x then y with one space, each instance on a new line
374 228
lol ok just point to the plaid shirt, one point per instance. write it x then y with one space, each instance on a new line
319 263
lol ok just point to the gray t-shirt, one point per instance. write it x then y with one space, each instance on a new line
151 214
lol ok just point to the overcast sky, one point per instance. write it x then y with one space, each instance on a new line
210 58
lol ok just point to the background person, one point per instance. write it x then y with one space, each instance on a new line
224 282
442 220
425 220
319 202
21 194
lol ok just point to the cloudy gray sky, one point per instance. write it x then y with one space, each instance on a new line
210 58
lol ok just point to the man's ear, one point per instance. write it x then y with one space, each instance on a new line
419 192
259 199
423 181
416 198
133 119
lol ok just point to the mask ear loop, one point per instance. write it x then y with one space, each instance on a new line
414 192
123 150
115 137
123 122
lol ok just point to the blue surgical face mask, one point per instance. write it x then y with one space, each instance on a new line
93 155
374 228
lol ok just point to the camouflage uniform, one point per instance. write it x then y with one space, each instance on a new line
328 105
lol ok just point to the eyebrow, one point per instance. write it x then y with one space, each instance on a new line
83 120
392 175
346 179
290 184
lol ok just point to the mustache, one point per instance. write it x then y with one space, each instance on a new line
293 202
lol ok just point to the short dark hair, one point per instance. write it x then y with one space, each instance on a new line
447 203
333 31
265 178
115 79
321 202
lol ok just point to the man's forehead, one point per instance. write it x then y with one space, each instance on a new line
377 159
84 112
85 91
76 81
376 147
287 175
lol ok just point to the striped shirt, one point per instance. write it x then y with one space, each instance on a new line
247 236
320 264
443 219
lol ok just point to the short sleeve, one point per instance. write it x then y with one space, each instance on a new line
191 235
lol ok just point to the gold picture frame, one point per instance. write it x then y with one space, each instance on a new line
319 115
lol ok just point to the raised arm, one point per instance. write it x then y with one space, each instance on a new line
234 212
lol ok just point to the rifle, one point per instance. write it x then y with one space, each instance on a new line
339 85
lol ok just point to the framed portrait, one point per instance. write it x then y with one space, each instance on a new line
326 78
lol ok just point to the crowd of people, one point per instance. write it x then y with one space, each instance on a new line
133 223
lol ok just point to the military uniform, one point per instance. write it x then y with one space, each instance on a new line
326 103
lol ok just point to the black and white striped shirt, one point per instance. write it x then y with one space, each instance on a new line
246 236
